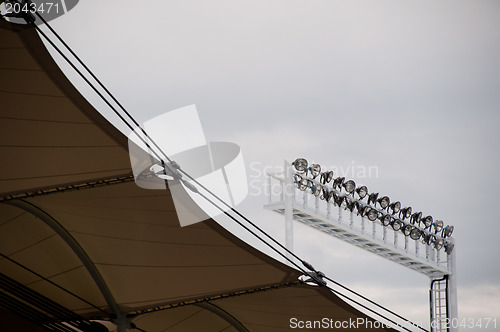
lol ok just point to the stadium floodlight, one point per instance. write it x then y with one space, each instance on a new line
415 233
337 199
385 219
372 198
438 226
416 217
350 205
331 196
395 207
349 186
326 177
405 212
325 194
406 229
362 192
372 215
448 247
316 190
300 165
438 244
338 182
447 231
341 192
427 221
396 224
384 202
315 170
428 239
362 210
303 184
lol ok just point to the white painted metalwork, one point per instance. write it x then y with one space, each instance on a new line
302 206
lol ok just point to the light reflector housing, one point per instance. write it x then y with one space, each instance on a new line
372 198
372 215
326 177
405 212
385 220
315 170
396 225
395 207
427 221
300 165
349 186
384 202
415 233
362 191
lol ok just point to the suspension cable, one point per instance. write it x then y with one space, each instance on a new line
150 140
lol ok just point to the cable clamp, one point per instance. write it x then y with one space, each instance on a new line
167 171
316 277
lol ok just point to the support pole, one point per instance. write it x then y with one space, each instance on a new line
122 323
452 290
288 195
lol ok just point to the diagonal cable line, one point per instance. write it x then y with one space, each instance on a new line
195 181
149 141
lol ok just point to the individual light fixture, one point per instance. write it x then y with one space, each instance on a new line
438 226
337 200
405 212
427 221
303 184
350 205
326 177
396 224
447 231
372 215
415 218
372 198
362 191
385 219
429 239
338 182
395 207
438 244
362 210
448 247
384 202
300 165
316 190
331 196
415 233
325 194
349 186
406 230
315 170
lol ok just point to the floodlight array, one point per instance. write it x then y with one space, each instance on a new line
344 193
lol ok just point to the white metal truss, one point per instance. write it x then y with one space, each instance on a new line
285 198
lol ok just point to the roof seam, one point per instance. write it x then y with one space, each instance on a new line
70 187
213 297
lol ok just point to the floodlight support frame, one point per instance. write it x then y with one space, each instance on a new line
298 208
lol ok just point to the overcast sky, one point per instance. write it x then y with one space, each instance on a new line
410 88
